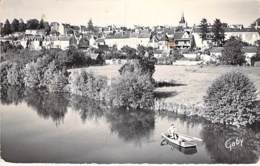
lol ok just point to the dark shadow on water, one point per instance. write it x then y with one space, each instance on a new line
160 95
87 108
11 95
47 105
219 141
131 125
168 84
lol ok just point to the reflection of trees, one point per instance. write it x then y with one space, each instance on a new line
131 125
47 104
11 95
190 121
215 137
88 109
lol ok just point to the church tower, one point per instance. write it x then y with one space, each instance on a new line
182 22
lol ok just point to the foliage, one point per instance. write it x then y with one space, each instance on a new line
76 58
144 65
15 25
230 100
6 29
86 84
32 75
83 43
130 52
218 32
15 75
32 24
204 29
22 26
4 67
232 53
58 82
91 26
132 90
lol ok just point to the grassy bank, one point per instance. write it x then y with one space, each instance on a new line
191 81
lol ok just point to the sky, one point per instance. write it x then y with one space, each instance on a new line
132 12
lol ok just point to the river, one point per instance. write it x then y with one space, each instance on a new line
39 127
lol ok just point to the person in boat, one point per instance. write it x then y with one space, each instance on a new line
171 132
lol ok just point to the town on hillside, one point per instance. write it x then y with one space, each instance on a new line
182 44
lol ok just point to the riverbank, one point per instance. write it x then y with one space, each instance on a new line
191 82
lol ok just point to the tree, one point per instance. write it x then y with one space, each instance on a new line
7 28
232 53
32 24
91 26
22 26
41 24
231 100
204 29
15 25
47 27
133 90
83 43
218 32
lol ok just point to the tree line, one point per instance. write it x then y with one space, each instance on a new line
21 26
217 30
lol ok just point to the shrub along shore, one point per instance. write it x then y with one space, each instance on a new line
229 100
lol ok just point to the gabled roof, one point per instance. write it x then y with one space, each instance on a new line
93 55
178 35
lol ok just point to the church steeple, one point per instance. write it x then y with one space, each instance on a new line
182 19
183 22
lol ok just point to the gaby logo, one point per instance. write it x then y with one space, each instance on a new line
233 142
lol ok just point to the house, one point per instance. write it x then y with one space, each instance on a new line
183 40
94 42
161 41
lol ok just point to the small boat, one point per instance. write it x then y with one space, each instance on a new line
187 151
181 141
189 138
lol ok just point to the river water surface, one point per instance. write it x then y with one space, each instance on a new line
51 128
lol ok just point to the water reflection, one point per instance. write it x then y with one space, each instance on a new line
224 144
87 108
136 127
47 105
11 95
190 122
131 125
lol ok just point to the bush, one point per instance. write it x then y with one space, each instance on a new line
14 75
86 84
230 100
232 53
132 90
31 75
143 66
58 82
4 67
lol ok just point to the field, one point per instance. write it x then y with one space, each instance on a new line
191 81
